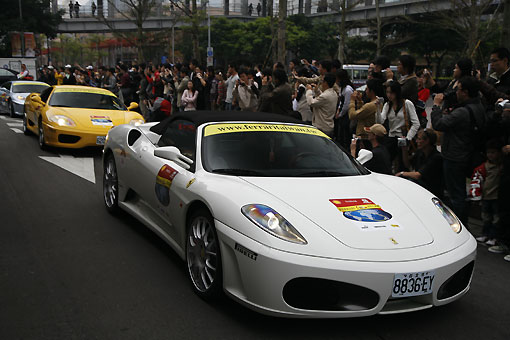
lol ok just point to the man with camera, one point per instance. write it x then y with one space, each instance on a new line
459 137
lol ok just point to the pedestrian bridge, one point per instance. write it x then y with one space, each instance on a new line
101 25
87 23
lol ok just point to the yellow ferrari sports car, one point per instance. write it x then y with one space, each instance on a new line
75 116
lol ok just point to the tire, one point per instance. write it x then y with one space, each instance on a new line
203 258
11 111
110 185
26 131
41 138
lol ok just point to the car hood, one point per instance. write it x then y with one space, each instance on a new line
361 212
93 118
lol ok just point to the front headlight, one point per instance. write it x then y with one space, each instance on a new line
20 98
137 122
61 120
448 214
272 222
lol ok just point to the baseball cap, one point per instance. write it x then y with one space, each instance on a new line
376 129
90 67
50 67
68 66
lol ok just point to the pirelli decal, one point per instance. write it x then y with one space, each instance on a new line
246 252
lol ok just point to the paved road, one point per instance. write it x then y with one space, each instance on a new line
69 270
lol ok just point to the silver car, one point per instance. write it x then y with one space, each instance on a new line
13 94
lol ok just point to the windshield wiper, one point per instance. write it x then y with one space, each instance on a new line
238 172
61 106
322 173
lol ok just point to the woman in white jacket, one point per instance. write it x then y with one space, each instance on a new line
403 122
189 98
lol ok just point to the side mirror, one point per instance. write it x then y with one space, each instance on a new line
132 106
36 98
173 154
364 156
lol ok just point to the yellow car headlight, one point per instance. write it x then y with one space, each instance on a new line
137 122
62 120
20 98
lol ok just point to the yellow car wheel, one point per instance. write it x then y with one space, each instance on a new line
42 140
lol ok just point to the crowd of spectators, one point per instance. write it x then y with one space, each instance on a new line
462 141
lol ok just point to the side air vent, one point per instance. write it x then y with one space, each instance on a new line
133 136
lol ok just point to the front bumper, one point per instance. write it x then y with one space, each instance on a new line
256 275
18 108
66 137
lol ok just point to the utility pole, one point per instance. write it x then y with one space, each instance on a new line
505 35
22 30
282 16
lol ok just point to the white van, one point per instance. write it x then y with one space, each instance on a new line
359 73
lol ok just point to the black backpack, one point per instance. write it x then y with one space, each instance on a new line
479 138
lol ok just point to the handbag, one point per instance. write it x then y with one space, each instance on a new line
412 144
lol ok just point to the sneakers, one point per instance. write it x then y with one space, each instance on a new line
507 258
498 249
482 239
491 242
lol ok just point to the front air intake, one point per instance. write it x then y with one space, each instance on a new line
328 295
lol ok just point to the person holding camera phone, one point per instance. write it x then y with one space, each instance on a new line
403 124
458 145
364 113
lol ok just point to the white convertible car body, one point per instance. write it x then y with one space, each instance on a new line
308 244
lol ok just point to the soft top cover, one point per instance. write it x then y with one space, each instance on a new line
201 117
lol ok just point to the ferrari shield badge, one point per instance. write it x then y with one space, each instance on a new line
361 210
101 120
163 183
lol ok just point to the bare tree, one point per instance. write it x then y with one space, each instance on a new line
466 17
137 12
344 7
195 16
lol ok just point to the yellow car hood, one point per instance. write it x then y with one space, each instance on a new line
94 119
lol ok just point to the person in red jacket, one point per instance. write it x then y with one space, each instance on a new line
423 96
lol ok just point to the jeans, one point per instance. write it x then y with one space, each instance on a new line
228 106
490 217
455 182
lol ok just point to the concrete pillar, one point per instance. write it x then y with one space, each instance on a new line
264 8
300 7
244 7
226 8
308 6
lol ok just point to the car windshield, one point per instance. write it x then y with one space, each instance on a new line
274 150
86 100
28 88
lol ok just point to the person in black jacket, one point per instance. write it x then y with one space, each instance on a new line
276 98
458 142
500 65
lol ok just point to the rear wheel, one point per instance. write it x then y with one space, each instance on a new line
42 138
203 257
110 184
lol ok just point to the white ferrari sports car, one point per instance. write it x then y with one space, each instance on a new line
279 217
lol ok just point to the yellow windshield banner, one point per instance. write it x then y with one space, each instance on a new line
85 90
216 129
29 83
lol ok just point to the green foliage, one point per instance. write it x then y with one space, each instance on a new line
37 18
234 40
360 49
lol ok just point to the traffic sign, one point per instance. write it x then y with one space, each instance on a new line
210 52
210 61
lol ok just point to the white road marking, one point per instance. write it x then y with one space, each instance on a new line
3 117
82 166
16 130
15 124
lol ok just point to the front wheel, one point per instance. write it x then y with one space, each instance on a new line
42 138
203 257
12 113
110 185
26 131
